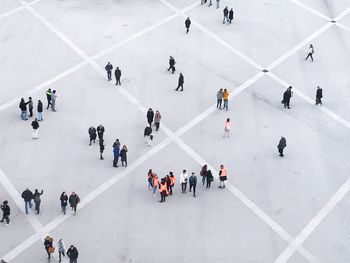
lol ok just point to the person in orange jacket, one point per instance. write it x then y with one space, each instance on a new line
222 176
225 96
172 182
163 190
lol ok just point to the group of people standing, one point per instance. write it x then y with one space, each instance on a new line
117 73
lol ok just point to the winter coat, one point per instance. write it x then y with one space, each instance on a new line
209 176
183 177
36 196
148 131
117 73
230 15
27 195
193 180
48 243
116 148
282 144
319 94
74 200
187 23
109 67
157 117
30 104
92 132
123 155
40 107
35 125
5 210
61 247
64 200
72 253
100 130
171 62
23 106
219 95
225 11
181 79
48 95
226 95
53 97
150 115
287 95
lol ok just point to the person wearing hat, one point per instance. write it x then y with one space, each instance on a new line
5 212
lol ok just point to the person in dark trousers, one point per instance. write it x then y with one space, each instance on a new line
53 100
187 24
73 254
37 200
116 148
157 118
168 182
23 107
48 244
100 131
64 202
123 156
319 96
310 53
74 200
230 16
162 190
40 110
150 116
172 182
102 148
286 97
48 97
61 250
27 195
117 74
183 181
203 173
219 96
35 126
281 145
30 107
180 82
210 178
193 183
171 64
109 68
6 211
225 15
92 134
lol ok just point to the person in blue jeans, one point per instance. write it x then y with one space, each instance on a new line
27 195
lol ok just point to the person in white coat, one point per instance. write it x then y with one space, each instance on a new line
61 250
227 128
183 181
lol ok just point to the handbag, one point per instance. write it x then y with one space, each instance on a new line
51 250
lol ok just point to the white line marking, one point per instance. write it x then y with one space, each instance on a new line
306 7
342 14
343 26
17 9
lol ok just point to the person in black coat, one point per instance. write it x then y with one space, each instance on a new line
48 243
92 134
148 135
230 16
150 116
100 132
187 24
30 107
117 74
37 200
73 254
64 202
225 15
109 68
171 64
286 97
27 195
102 148
23 107
35 125
210 178
193 183
180 82
48 98
40 110
5 212
319 96
281 145
123 156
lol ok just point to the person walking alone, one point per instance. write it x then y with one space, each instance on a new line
225 15
319 96
109 68
35 125
117 74
219 96
6 211
116 149
286 97
183 181
37 200
230 16
40 110
222 176
193 183
123 156
73 254
226 95
187 24
48 98
171 64
150 116
92 134
27 195
281 145
180 82
310 53
64 202
227 128
157 118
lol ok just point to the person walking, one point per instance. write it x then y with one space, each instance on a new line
102 148
117 74
150 116
61 249
310 53
123 156
171 64
116 148
219 96
203 173
35 125
210 178
183 181
226 95
163 190
154 183
222 176
225 11
109 68
149 179
193 183
319 96
74 200
73 254
48 244
53 100
37 200
230 16
227 128
180 82
100 131
92 134
64 202
6 211
187 24
48 98
23 107
30 107
281 145
157 118
148 135
286 97
172 182
40 110
27 195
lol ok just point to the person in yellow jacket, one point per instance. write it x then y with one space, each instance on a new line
222 176
227 128
225 96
